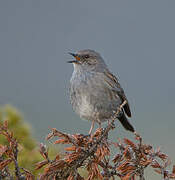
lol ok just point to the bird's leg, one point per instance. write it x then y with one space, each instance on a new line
99 123
92 126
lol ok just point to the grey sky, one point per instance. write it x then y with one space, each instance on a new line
136 38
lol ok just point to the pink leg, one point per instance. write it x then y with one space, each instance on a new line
99 124
92 126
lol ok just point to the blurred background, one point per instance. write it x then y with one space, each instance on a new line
136 39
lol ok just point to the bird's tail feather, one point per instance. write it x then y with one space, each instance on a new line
126 124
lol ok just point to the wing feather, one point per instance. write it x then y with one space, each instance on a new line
115 85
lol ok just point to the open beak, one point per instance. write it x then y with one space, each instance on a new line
76 57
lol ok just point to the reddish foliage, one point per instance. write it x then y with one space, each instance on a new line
92 152
9 154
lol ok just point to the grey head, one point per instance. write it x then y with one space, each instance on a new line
88 60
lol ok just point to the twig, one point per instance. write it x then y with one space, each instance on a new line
17 169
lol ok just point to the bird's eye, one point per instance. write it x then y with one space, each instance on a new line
86 56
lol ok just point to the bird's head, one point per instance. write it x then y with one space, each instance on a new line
87 60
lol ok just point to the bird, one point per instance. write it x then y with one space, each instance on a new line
95 93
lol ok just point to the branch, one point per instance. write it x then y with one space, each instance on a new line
93 152
11 152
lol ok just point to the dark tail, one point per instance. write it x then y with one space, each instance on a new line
124 121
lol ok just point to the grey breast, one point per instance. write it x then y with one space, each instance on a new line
92 97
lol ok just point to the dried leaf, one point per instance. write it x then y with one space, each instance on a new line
6 124
162 156
41 164
57 157
128 169
156 165
158 171
130 143
116 158
60 134
127 176
97 132
72 148
71 177
147 148
43 151
172 176
49 136
60 164
4 163
3 149
61 141
145 163
29 175
173 170
42 148
167 163
123 166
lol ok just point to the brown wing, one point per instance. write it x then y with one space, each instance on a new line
114 82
